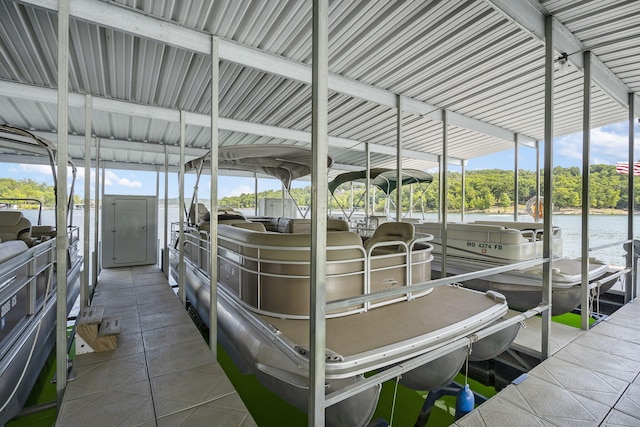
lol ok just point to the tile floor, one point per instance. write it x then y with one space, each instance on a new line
161 374
593 381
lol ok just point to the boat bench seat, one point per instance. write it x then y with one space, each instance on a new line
475 231
303 225
534 228
14 226
276 244
11 248
248 225
42 232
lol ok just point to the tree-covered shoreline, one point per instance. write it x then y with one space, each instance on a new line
486 190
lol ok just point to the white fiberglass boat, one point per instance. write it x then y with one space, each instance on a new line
264 293
480 245
28 284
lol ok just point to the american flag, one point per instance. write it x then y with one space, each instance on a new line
623 168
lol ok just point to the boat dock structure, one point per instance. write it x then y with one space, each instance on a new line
593 380
160 125
161 371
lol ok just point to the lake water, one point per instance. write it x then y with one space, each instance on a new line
604 229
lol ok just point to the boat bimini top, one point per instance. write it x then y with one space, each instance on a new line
283 162
384 179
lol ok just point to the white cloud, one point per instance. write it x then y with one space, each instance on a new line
608 145
80 174
39 169
125 182
112 179
236 191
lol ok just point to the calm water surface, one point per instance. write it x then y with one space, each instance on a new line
603 229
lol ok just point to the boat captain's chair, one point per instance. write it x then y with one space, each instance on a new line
197 213
391 231
14 226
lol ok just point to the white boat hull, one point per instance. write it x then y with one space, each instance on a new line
16 381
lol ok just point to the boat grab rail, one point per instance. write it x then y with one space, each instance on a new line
409 262
261 257
598 283
346 302
610 244
400 369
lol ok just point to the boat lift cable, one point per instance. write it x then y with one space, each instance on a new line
35 340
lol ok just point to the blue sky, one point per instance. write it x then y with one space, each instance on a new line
608 146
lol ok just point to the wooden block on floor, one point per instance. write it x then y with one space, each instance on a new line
89 322
109 326
91 315
96 337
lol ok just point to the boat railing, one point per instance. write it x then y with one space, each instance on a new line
449 280
398 370
24 282
273 279
269 283
412 254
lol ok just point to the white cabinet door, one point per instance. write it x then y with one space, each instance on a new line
129 231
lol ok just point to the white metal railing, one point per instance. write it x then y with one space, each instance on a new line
197 244
20 290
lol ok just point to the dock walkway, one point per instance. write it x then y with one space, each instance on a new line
162 372
592 381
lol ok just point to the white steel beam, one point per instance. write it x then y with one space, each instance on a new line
62 241
532 20
170 33
114 106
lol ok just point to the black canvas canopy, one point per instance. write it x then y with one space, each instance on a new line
284 162
383 178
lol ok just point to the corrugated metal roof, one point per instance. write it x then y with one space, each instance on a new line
471 58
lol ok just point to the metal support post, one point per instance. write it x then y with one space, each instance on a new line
86 231
61 200
399 159
630 289
319 148
165 244
367 183
444 187
547 247
181 267
96 217
516 176
463 186
213 234
586 196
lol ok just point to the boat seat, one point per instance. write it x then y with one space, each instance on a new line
197 213
484 232
391 231
14 226
12 248
248 225
335 224
42 232
303 225
289 240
